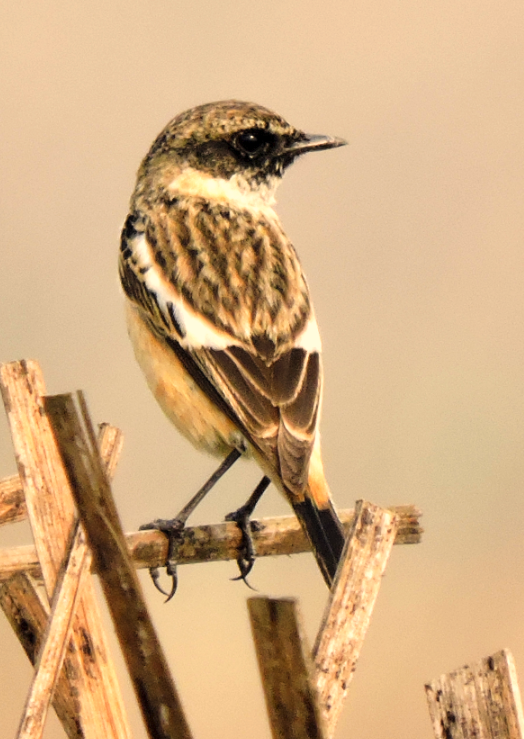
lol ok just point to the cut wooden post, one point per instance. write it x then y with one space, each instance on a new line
348 611
478 701
28 614
54 641
286 669
100 710
154 686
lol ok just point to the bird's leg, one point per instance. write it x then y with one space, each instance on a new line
173 526
246 552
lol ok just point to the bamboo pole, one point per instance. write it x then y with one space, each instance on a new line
28 615
98 706
54 641
154 687
215 542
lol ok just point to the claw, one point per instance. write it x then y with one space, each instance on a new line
246 551
154 573
172 528
171 564
171 571
174 583
245 566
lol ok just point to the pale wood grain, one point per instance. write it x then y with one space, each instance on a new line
27 612
214 542
54 640
12 501
51 512
154 687
286 669
348 611
478 701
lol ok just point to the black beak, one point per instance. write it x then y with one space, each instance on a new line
312 142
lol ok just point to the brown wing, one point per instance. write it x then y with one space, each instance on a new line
277 404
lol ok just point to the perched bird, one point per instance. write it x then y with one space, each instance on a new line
218 308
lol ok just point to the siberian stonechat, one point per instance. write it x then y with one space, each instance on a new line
218 308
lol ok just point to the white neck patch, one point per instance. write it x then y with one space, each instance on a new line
237 191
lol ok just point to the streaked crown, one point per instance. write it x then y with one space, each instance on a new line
232 137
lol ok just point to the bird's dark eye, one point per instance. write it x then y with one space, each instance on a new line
253 142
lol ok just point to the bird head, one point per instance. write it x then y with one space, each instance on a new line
232 141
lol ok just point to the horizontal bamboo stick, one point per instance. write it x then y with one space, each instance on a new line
216 542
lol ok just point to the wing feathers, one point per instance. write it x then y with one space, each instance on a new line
254 409
294 454
288 375
251 385
301 413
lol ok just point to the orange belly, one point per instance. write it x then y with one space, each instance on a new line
179 396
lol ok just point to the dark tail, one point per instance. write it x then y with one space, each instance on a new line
325 532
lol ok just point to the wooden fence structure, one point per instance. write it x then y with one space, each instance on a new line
47 595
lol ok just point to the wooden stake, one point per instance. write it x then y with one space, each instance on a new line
286 669
28 615
100 709
154 687
478 701
51 653
348 611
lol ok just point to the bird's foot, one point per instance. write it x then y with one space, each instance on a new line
246 551
242 518
172 528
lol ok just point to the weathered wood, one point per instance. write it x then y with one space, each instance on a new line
215 542
54 641
27 613
154 686
286 669
12 501
478 701
348 611
51 512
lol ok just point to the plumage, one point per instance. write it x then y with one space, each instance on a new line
216 289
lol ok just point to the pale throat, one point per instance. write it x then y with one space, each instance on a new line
237 190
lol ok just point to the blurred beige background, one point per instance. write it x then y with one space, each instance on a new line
412 239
